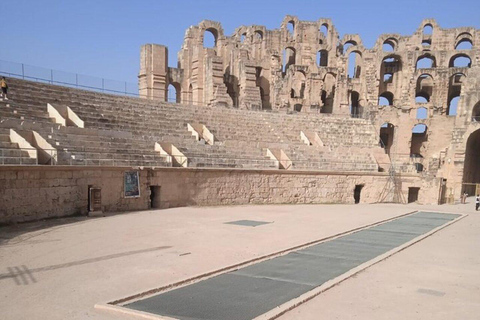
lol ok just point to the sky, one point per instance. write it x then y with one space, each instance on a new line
103 37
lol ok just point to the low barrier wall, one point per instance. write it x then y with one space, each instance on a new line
30 193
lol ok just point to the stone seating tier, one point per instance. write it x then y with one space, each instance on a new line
242 136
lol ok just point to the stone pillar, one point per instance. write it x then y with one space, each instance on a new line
153 75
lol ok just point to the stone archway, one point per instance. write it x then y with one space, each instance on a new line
471 167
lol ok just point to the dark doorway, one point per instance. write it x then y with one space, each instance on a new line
155 197
357 192
413 194
443 190
471 166
89 207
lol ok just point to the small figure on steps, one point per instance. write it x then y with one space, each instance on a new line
4 85
477 202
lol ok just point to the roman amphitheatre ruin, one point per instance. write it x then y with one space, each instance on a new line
291 115
314 125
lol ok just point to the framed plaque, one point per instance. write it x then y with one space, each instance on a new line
131 184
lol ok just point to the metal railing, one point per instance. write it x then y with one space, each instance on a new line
17 156
67 79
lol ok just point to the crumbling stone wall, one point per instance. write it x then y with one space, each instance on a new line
304 66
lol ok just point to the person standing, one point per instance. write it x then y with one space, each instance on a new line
4 85
477 202
464 197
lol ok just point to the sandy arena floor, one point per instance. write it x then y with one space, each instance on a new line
59 269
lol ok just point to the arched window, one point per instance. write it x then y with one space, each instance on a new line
354 65
210 38
324 30
387 131
387 78
174 92
424 88
428 29
426 43
476 113
328 93
355 109
421 99
460 61
385 99
452 106
426 62
258 35
419 137
288 58
422 113
322 58
347 45
464 44
291 27
389 45
243 37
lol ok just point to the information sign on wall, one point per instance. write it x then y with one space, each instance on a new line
132 185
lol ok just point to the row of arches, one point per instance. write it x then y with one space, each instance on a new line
418 138
323 30
428 61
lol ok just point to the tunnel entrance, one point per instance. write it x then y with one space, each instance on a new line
471 167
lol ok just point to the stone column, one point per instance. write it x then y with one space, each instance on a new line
153 75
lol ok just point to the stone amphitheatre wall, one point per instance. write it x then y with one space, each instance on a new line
33 193
421 91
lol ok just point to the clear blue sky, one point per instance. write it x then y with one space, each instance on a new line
103 37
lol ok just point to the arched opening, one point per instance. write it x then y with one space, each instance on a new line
454 92
424 88
471 166
452 106
426 43
328 93
243 37
476 113
322 58
421 99
210 38
419 137
389 45
355 109
460 61
422 113
258 36
385 99
464 44
426 62
389 69
298 85
233 88
264 85
354 65
324 30
427 29
387 130
347 45
288 58
174 92
291 27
